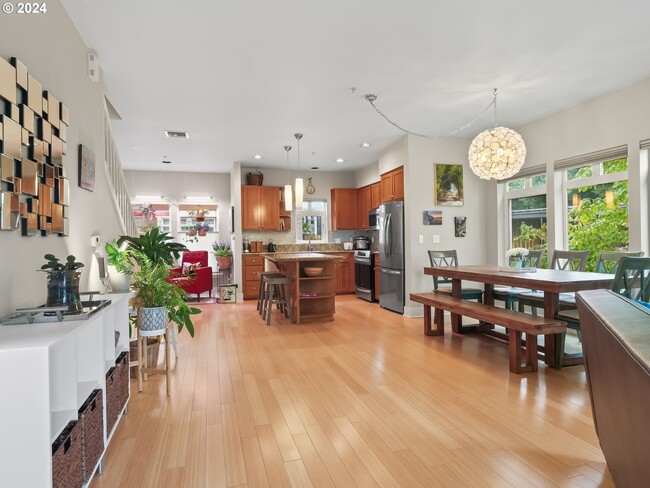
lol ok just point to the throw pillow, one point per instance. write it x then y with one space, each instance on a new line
189 268
645 304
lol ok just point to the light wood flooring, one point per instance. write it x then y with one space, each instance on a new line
363 401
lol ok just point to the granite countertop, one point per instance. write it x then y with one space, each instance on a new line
299 256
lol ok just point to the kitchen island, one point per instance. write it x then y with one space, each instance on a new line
312 297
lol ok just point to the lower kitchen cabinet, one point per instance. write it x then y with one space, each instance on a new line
253 265
345 274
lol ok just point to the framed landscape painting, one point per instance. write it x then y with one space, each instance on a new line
448 185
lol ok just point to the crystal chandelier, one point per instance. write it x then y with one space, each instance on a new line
497 153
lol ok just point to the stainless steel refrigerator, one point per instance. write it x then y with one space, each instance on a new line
391 256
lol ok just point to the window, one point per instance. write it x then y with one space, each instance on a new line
526 198
596 208
311 222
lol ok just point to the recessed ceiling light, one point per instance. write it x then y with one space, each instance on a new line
365 144
166 162
177 134
257 156
315 167
340 160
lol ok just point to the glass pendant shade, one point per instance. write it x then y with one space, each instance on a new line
288 198
299 192
497 153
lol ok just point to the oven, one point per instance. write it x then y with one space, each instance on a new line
364 275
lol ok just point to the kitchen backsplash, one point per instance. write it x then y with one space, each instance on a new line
286 241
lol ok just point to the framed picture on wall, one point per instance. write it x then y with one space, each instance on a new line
86 168
448 185
432 217
460 226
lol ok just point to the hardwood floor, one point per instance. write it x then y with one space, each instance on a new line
364 401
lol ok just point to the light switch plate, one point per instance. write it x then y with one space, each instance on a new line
420 239
436 239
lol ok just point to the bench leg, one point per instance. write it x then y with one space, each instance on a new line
516 347
438 319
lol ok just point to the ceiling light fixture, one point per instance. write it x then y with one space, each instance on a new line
257 156
299 182
288 197
365 144
497 153
177 134
340 160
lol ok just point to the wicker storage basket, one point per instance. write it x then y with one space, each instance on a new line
112 397
66 458
122 367
255 178
91 419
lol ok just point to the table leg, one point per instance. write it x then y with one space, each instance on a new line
456 319
440 324
552 342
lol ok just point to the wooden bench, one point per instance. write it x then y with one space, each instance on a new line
522 354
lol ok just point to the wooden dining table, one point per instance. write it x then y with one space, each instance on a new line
551 282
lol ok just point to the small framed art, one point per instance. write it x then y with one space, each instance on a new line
86 168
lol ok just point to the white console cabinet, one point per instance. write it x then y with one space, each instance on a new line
47 371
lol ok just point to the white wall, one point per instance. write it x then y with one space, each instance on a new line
55 55
617 118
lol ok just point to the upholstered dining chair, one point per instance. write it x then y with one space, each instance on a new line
510 294
562 261
632 280
443 259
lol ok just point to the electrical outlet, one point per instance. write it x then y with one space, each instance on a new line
420 239
436 239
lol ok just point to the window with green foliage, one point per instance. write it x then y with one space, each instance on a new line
311 222
597 208
527 211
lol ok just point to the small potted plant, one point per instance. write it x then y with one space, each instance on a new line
516 256
63 282
223 254
199 213
202 228
148 212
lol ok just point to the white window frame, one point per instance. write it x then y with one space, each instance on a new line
527 191
597 178
302 212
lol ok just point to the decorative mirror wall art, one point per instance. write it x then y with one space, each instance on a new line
34 191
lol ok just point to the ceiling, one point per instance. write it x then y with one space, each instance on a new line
243 76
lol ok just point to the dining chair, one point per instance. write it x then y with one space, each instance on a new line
632 280
510 294
444 259
561 261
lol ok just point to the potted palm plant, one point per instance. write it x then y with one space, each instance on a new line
223 254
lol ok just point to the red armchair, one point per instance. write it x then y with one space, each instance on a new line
194 265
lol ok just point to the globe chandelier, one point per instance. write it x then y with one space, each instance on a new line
496 153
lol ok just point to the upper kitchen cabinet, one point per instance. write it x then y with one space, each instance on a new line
392 185
344 209
375 195
260 208
364 204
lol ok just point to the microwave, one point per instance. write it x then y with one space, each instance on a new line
373 219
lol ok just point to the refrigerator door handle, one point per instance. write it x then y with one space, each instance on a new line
390 271
389 235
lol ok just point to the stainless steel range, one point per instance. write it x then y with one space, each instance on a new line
364 275
54 314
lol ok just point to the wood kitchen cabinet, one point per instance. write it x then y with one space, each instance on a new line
345 274
253 265
392 185
375 195
260 208
364 204
344 208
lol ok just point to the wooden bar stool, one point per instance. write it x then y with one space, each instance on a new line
143 367
261 292
276 290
